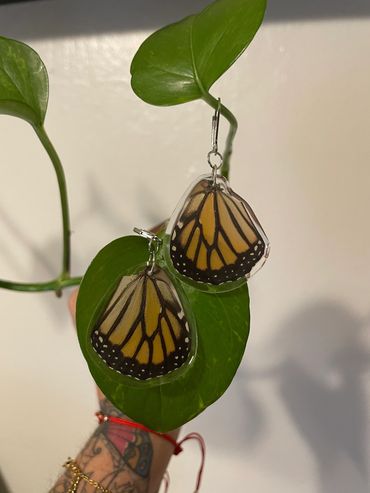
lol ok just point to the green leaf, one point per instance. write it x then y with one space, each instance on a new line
24 87
222 324
180 62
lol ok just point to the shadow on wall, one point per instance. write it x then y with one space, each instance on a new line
53 18
319 379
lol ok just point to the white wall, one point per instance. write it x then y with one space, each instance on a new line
295 417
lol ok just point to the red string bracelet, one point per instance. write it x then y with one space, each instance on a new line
102 418
202 444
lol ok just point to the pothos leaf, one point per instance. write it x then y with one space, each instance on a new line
180 62
222 325
24 87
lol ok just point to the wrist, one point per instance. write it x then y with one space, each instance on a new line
108 409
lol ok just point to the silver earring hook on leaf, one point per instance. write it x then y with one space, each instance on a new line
216 126
154 246
214 157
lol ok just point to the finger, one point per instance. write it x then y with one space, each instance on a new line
72 304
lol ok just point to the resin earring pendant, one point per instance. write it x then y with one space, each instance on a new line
215 237
143 332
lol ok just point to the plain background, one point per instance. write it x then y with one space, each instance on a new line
296 416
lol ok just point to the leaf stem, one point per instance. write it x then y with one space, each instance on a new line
64 280
49 148
54 285
226 113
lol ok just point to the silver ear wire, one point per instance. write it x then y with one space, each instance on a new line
216 126
154 245
145 234
213 153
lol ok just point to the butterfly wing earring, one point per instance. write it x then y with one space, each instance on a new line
143 332
216 238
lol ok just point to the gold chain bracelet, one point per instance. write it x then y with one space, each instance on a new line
79 476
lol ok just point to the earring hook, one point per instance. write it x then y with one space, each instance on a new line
214 157
215 127
154 245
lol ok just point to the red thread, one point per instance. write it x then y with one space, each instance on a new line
114 419
177 445
202 444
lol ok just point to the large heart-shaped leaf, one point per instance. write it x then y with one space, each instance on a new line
222 325
180 62
24 87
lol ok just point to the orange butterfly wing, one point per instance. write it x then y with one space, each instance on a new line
143 332
214 239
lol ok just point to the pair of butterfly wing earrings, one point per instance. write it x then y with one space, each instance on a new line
214 239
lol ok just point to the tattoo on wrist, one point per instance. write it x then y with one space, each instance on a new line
116 456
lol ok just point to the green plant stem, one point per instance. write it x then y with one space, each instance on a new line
49 148
64 280
226 113
53 285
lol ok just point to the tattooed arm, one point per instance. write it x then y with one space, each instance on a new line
120 458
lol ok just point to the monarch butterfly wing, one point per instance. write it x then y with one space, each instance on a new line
143 332
186 237
215 238
118 322
242 241
172 341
